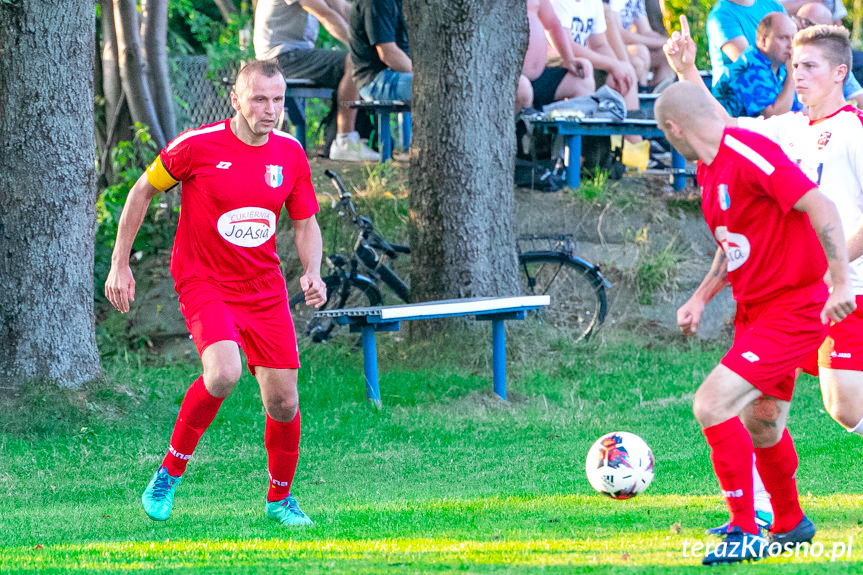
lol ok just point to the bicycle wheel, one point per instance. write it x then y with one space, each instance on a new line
578 301
359 292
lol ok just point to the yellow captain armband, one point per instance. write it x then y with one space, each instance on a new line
159 177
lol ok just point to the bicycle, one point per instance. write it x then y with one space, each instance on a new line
576 286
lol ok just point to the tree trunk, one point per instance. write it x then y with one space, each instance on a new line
47 193
132 69
154 34
110 67
467 56
227 8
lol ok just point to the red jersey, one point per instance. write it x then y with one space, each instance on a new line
748 193
232 196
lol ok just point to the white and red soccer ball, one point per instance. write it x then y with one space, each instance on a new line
619 465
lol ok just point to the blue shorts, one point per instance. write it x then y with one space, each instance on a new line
388 85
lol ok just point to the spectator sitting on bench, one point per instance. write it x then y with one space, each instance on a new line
287 30
379 50
643 44
540 85
731 26
814 13
759 82
584 21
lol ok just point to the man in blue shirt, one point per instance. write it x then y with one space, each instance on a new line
758 83
731 27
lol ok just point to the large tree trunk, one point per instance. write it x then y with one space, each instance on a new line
154 33
467 56
47 192
133 69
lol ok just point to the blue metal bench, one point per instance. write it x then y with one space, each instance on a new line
573 130
384 110
370 320
296 93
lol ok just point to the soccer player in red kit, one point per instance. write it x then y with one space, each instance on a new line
825 141
777 235
236 176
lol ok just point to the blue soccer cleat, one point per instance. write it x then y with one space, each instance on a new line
762 518
158 498
738 546
802 533
287 512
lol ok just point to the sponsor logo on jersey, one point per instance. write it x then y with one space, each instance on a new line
750 357
823 139
247 227
273 176
840 355
735 246
223 165
724 198
735 493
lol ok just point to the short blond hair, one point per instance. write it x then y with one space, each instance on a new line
833 41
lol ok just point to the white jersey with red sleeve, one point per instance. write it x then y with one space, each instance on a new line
830 152
748 196
231 199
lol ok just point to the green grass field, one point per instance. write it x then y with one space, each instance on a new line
444 478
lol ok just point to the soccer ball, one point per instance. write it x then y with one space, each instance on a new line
619 465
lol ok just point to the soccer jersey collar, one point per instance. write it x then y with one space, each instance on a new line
845 108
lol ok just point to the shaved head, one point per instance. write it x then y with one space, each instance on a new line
815 12
266 68
684 103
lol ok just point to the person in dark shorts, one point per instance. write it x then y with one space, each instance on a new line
288 30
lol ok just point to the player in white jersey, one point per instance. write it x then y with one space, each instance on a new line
827 143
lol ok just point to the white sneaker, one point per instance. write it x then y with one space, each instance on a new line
351 149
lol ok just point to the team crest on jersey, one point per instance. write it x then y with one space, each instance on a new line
823 139
273 176
724 198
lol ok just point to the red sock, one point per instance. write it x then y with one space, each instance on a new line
731 454
197 411
282 440
777 466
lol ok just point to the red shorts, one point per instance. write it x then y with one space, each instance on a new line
253 313
843 346
772 339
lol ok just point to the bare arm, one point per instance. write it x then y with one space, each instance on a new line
558 37
614 33
621 75
825 220
689 314
735 47
680 52
394 57
307 238
332 19
120 285
644 34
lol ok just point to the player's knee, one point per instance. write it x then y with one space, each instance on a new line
704 410
282 408
222 378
